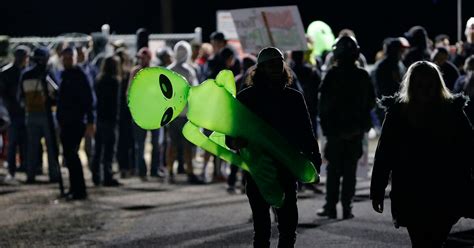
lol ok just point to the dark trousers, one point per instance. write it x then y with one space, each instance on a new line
430 233
104 151
125 148
71 136
16 140
342 156
232 178
287 214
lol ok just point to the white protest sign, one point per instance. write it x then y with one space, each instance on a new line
225 24
270 26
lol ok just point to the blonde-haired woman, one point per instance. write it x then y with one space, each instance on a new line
426 147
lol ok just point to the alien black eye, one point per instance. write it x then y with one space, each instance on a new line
166 86
167 116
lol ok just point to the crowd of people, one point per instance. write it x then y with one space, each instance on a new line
78 92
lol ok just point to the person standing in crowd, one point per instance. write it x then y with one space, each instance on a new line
347 98
125 147
269 97
144 59
9 85
387 74
248 62
465 49
76 118
175 138
91 73
419 49
37 91
425 138
107 89
440 57
330 61
465 85
310 80
216 63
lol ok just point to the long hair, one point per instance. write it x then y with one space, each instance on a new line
256 75
424 83
111 67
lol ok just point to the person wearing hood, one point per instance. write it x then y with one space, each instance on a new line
346 101
419 50
182 52
425 148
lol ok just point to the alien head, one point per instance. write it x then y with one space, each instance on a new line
156 97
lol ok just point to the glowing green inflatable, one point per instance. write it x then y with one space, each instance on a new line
322 36
157 96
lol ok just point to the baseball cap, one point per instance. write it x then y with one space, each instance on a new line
269 53
217 36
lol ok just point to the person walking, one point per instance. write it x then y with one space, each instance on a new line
270 97
424 146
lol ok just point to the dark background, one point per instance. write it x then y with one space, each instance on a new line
372 21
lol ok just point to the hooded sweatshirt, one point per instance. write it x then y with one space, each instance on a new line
182 65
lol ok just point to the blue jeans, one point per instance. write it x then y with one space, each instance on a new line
139 161
37 127
104 151
16 139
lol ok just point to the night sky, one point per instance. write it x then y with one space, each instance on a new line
372 21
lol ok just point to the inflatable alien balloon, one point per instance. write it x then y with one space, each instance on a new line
158 95
322 36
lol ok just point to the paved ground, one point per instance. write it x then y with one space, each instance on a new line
156 214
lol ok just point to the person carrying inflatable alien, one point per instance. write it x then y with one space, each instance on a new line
267 128
261 147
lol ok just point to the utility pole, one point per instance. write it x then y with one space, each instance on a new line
459 20
167 16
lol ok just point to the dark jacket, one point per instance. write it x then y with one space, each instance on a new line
347 97
76 99
9 86
310 80
107 90
285 111
387 76
428 155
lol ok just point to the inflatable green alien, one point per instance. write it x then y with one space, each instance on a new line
158 95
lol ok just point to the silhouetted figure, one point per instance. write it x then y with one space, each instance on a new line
270 98
419 50
423 148
9 86
465 85
108 90
142 36
310 80
37 91
76 118
125 146
449 71
465 49
347 98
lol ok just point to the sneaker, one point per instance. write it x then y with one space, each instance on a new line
193 179
112 183
331 214
231 190
9 179
75 196
347 214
